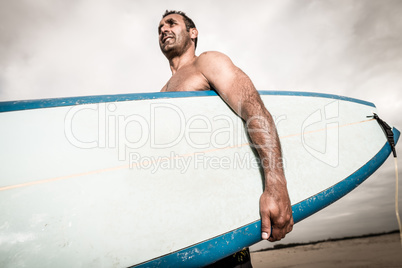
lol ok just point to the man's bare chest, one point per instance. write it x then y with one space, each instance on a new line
188 79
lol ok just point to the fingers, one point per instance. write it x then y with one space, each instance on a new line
277 234
264 236
279 231
276 217
266 227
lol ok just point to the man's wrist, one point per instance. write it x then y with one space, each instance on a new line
275 175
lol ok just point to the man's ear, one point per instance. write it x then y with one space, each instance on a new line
193 33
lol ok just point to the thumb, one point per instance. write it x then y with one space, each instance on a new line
266 228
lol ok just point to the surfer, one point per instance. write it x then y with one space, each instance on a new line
212 70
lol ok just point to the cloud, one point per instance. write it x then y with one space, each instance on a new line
89 48
63 48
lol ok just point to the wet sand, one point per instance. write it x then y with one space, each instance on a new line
375 251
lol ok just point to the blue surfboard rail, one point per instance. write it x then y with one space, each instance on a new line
212 250
10 106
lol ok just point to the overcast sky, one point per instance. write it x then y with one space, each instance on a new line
353 48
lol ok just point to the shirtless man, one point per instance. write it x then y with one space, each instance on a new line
215 71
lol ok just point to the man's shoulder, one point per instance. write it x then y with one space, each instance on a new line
209 58
212 55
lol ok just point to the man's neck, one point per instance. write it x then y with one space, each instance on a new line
179 61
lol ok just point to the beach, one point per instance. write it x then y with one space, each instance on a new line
373 251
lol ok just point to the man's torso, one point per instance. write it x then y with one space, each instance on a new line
188 78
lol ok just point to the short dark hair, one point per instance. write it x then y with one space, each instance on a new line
187 21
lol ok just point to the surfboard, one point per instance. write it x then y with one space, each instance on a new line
166 179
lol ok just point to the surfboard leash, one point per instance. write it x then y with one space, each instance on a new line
396 199
390 137
388 131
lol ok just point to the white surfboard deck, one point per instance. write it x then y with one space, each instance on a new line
165 179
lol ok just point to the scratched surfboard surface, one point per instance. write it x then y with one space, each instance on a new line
165 179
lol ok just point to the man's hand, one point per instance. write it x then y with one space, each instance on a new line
276 211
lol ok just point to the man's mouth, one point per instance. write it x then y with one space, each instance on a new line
166 38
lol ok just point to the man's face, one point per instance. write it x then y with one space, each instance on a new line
173 35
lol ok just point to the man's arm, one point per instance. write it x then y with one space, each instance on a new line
237 90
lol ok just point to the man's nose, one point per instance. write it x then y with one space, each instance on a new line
164 29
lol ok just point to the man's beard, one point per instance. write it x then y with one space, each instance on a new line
177 48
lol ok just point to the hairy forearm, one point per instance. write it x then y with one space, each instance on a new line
264 137
244 99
